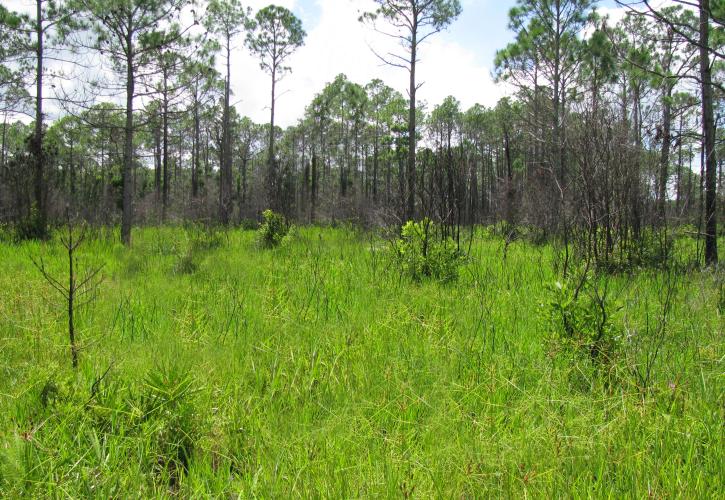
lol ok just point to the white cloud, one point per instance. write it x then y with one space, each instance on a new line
339 43
616 14
448 68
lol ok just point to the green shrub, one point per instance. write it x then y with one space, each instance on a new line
423 253
580 315
273 229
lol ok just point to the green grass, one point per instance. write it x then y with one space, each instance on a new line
315 369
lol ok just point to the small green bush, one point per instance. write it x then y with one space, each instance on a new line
423 253
273 229
581 320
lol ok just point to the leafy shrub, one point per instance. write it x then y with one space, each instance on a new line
580 316
423 253
654 250
273 229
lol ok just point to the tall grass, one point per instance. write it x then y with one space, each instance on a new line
213 367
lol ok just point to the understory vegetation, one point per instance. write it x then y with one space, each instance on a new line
345 364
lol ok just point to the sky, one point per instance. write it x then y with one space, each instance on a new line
457 62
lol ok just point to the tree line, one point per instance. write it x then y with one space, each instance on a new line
611 133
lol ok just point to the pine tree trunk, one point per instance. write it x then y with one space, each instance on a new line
708 126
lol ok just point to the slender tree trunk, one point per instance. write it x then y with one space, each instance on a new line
71 300
678 191
388 181
510 193
245 188
708 126
72 171
665 154
104 201
165 142
412 139
126 218
314 188
272 190
207 168
196 161
157 159
376 163
3 148
688 195
557 98
225 170
39 162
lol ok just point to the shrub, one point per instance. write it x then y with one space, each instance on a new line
423 253
580 316
273 229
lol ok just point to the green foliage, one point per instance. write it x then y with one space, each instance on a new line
422 253
581 319
276 33
273 229
317 372
169 418
434 14
226 18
